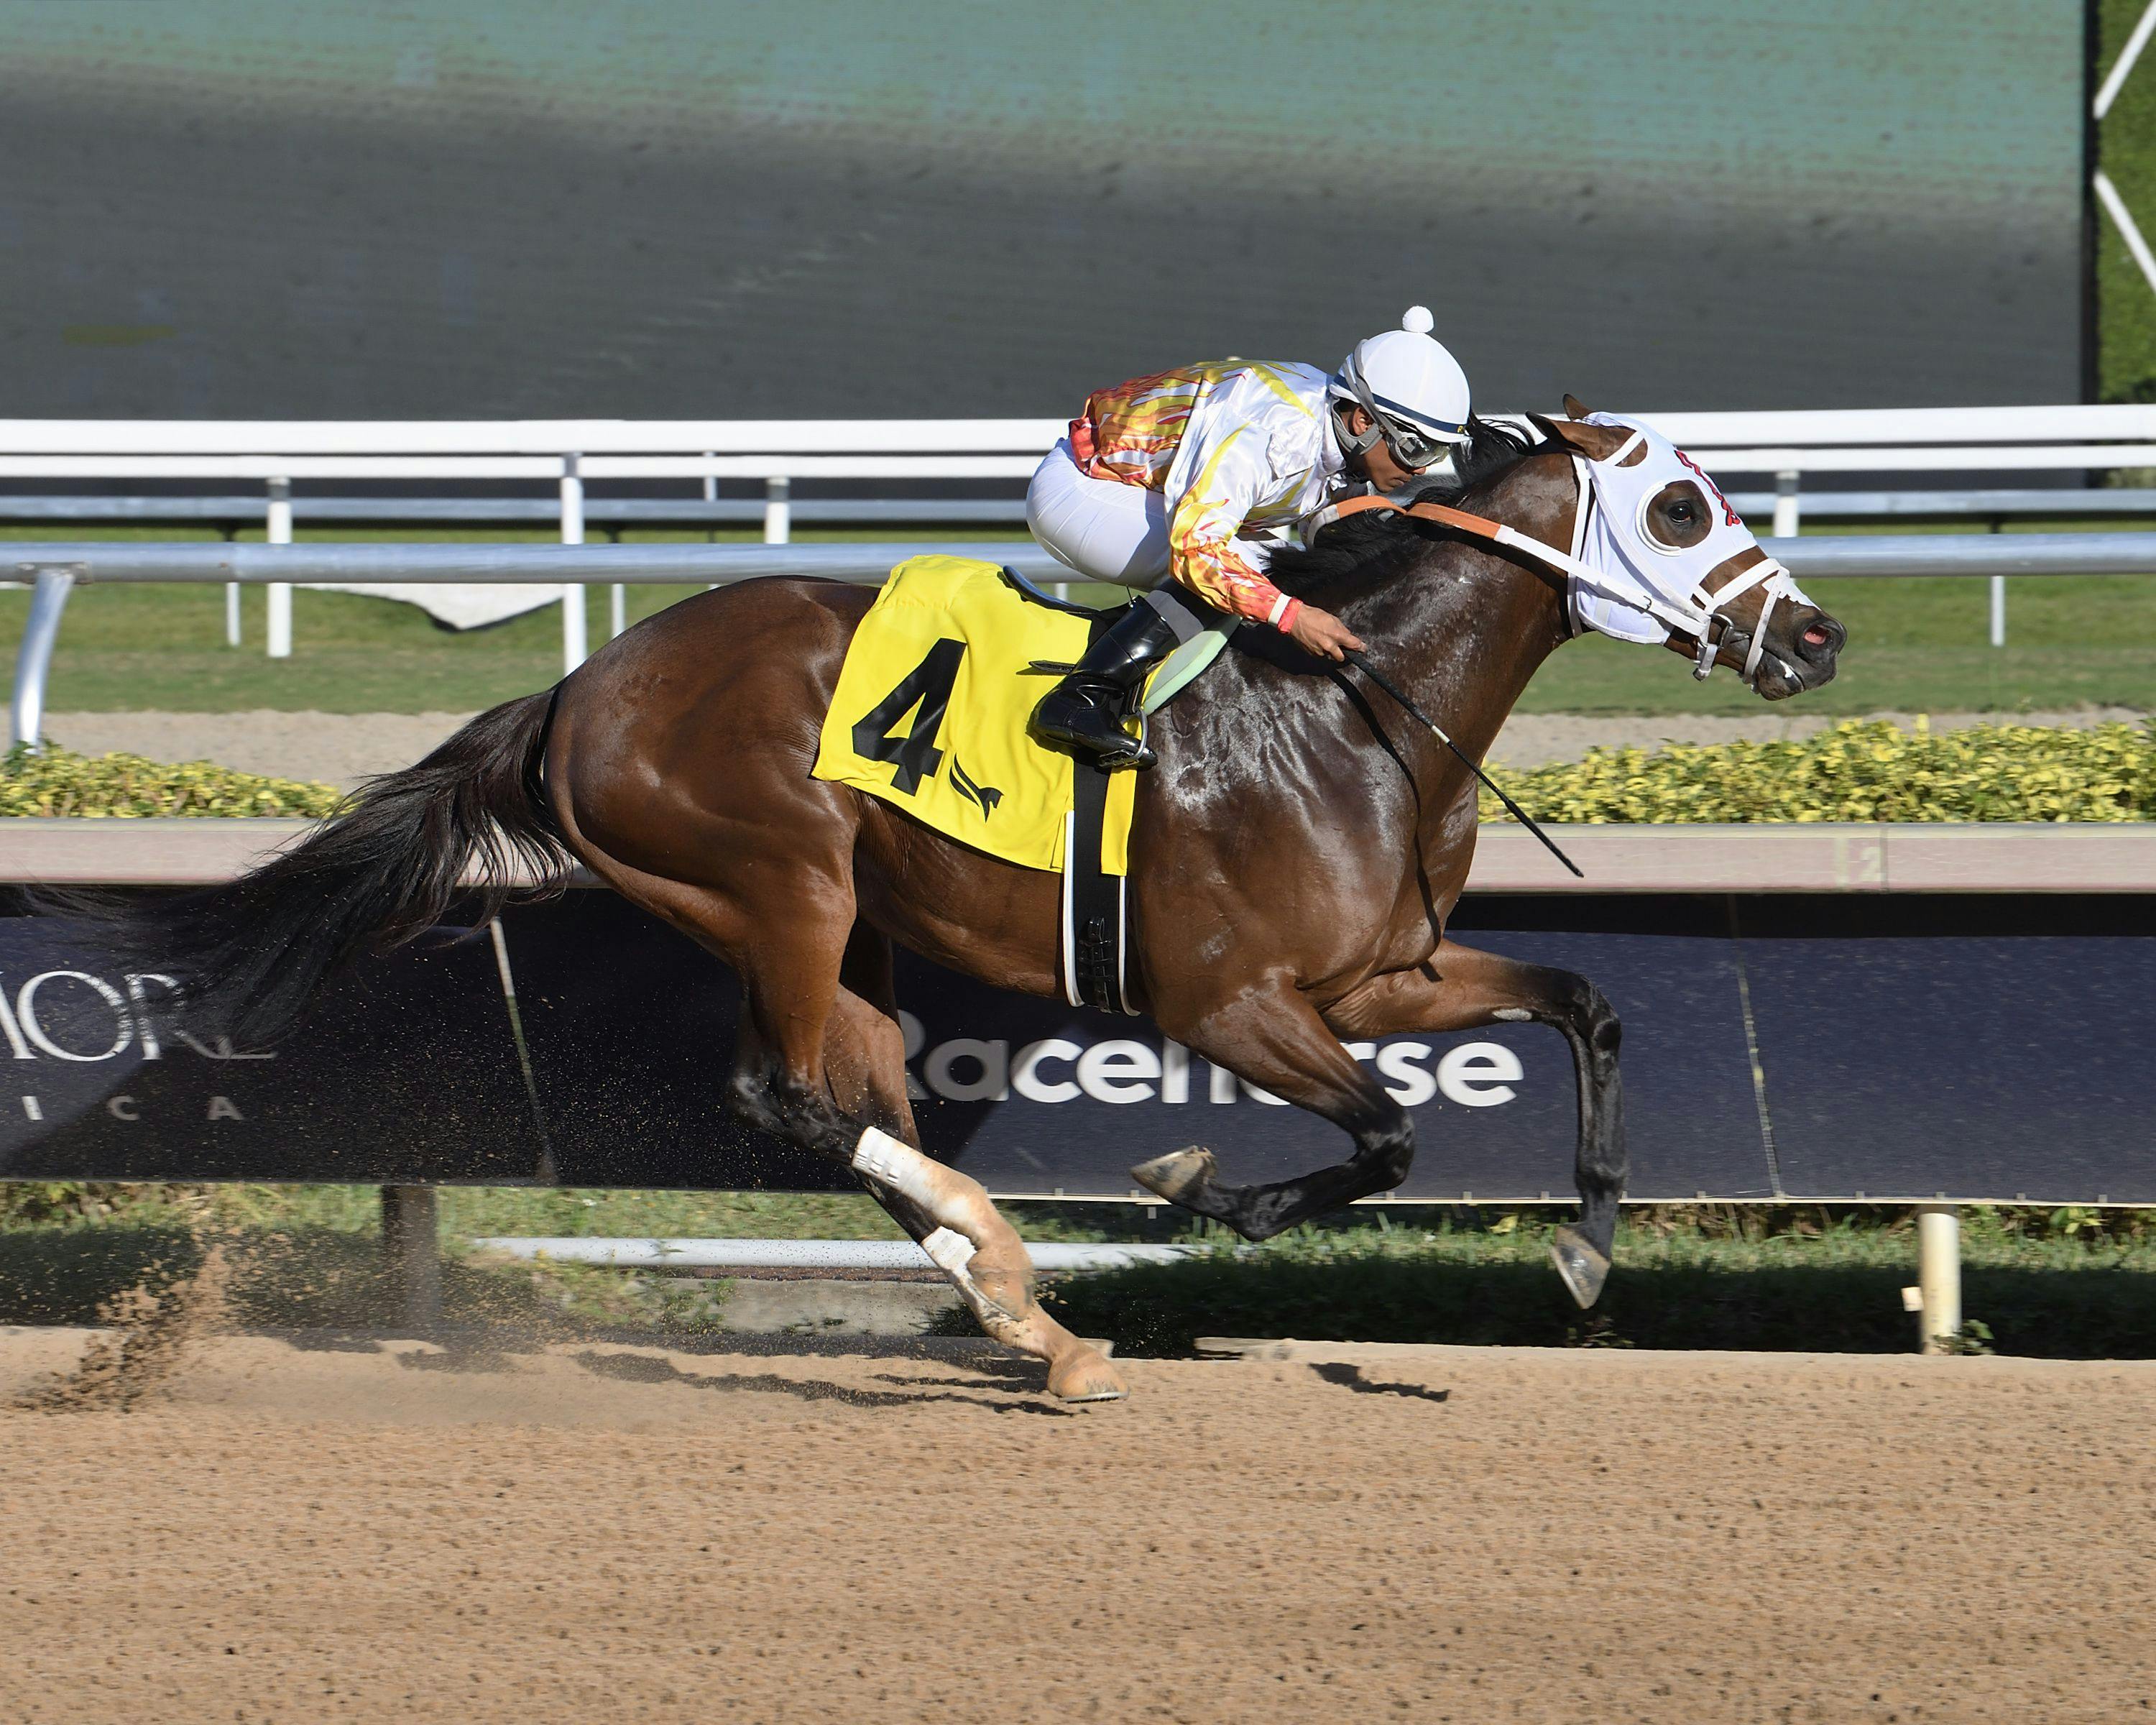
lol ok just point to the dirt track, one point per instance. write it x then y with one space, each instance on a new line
306 1533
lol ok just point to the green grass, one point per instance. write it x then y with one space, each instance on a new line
2061 1283
129 648
1914 646
2038 1289
310 1257
2125 309
468 1210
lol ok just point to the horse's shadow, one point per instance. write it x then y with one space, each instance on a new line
1350 1377
643 1368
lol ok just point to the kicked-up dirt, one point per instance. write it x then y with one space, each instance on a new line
319 1527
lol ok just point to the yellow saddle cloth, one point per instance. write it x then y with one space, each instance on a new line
932 709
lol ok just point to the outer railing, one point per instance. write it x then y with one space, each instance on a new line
572 453
229 512
54 571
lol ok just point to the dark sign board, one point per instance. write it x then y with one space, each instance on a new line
630 1028
1823 1048
408 1073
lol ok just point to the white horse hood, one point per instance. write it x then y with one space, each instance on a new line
1628 583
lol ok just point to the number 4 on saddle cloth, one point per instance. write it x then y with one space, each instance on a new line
931 716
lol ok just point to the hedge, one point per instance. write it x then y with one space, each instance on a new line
1855 772
130 787
1858 771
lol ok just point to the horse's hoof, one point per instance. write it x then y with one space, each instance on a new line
1584 1269
1080 1374
1178 1176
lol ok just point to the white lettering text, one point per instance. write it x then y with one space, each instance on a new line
992 1084
1025 1071
1411 1086
1116 1071
26 1010
1479 1075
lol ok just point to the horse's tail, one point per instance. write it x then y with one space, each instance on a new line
251 955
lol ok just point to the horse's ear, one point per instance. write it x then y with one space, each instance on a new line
1576 408
1598 443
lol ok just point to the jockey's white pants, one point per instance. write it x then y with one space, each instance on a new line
1104 529
1107 530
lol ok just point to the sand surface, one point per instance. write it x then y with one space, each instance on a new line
308 1529
343 747
340 747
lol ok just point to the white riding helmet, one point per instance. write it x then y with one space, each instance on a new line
1415 392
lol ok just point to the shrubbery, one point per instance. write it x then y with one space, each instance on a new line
1858 772
1855 772
130 787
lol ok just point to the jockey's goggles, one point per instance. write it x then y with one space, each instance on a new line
1414 444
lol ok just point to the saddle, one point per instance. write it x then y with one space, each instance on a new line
930 716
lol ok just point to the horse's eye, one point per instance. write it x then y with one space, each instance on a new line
1683 514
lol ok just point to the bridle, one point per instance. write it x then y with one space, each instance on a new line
1697 614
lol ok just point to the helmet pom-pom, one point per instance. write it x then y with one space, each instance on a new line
1418 320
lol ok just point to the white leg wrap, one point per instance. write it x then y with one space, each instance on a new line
881 1157
951 1198
950 1253
959 1205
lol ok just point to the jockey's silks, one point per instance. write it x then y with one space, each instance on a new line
1234 446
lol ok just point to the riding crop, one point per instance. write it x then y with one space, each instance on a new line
1361 661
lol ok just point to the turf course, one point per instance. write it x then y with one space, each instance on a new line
1914 646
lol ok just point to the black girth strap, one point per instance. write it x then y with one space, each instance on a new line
1094 902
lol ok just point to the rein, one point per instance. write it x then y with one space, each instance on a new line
1483 528
1361 662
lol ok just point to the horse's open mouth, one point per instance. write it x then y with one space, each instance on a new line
1806 659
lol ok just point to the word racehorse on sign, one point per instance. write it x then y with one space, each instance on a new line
410 1071
1294 858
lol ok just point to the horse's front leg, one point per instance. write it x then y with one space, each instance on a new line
1264 1031
1459 989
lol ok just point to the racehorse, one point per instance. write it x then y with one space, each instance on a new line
1294 860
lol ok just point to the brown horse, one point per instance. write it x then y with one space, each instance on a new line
1295 856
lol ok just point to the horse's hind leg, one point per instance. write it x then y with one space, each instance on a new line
825 1068
969 1241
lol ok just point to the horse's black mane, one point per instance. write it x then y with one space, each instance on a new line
1351 546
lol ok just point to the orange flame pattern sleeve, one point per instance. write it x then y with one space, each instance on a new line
1213 483
1223 442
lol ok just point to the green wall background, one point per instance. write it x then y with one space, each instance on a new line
676 207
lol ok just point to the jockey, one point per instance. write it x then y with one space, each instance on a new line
1178 482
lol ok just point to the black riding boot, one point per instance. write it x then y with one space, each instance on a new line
1087 711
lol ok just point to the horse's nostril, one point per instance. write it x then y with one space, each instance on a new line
1816 636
